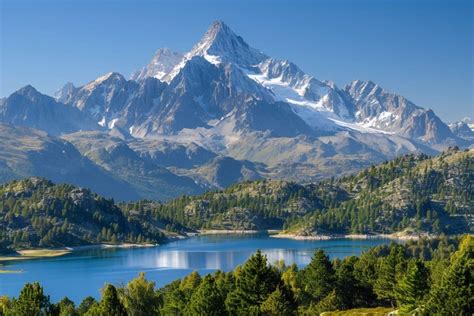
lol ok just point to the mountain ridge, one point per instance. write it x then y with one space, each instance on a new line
235 102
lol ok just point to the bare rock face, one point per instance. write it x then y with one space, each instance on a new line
28 107
162 63
463 129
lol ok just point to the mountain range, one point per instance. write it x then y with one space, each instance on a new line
221 113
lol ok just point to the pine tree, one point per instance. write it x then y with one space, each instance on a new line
109 304
413 287
454 295
389 270
66 307
85 305
327 304
318 277
280 302
255 282
31 301
139 297
207 299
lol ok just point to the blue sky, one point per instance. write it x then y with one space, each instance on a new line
422 49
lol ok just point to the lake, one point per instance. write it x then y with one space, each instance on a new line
83 273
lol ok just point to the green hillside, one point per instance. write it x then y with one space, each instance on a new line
37 213
414 192
411 192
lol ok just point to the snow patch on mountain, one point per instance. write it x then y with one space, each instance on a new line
162 63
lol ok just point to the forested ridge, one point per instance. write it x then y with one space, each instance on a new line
424 277
416 192
37 213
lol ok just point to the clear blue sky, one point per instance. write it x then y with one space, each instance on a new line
422 49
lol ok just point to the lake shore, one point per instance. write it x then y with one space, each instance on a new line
395 236
234 232
275 233
28 254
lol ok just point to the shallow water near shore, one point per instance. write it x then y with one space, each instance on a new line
84 272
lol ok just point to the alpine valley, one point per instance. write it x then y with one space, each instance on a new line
222 113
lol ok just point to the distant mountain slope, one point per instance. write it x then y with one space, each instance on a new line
27 107
463 129
28 152
148 179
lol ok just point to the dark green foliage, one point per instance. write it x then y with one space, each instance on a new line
280 302
390 269
329 303
31 301
412 288
318 278
139 297
85 305
207 299
66 307
254 283
37 213
109 304
454 295
352 291
177 295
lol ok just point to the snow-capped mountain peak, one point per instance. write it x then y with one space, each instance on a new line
107 78
362 89
221 44
469 121
162 63
362 105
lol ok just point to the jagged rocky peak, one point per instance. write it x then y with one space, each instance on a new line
361 89
286 71
65 93
221 44
162 63
372 100
28 91
463 129
108 78
469 121
28 107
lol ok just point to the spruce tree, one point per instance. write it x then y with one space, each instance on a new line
66 307
139 297
85 305
207 299
454 295
255 282
109 304
280 302
390 269
31 301
411 290
318 277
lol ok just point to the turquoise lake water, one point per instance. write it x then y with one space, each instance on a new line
83 273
